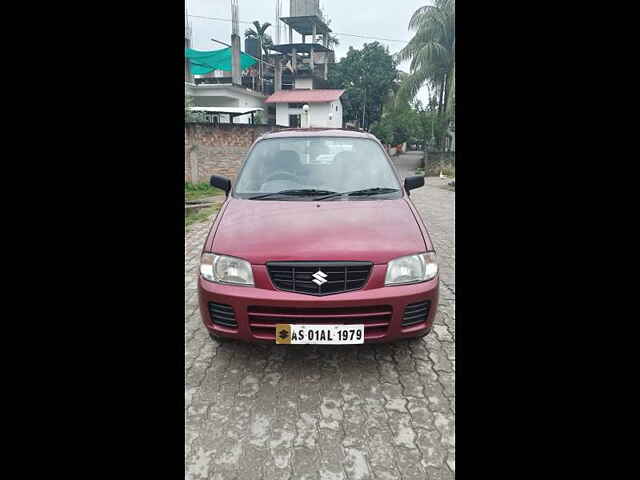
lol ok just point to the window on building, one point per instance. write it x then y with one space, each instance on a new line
296 105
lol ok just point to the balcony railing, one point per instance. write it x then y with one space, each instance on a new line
251 83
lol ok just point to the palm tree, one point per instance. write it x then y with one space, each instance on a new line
432 52
265 41
259 33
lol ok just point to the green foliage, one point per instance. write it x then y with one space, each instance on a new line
196 191
383 130
260 118
367 75
200 215
259 33
412 123
399 122
431 127
432 53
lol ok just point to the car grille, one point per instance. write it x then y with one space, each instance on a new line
263 320
415 313
222 315
338 276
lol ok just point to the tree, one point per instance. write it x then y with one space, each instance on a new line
259 33
383 130
432 53
367 75
265 42
399 123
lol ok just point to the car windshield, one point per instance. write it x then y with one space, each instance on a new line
309 168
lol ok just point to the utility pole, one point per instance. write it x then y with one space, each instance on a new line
236 73
261 70
364 105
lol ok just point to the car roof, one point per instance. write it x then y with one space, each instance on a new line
317 132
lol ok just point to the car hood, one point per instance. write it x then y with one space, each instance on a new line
264 231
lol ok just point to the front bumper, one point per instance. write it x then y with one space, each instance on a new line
256 310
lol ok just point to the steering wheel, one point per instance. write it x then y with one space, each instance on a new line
282 175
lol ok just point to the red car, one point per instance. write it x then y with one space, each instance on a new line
318 242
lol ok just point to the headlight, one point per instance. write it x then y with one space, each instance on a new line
223 269
412 269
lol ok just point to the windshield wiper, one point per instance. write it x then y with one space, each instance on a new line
363 193
298 192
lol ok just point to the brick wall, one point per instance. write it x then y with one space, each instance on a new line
217 150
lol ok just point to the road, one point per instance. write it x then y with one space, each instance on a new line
317 412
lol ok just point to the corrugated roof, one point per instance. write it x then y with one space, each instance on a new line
304 96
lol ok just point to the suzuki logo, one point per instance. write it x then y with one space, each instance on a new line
319 277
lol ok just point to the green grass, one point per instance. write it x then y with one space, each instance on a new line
196 191
201 215
449 172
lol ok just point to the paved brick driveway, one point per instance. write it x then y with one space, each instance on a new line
311 412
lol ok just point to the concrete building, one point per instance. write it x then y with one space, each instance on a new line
222 94
226 95
295 75
306 58
325 108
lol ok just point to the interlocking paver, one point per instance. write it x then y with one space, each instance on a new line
318 412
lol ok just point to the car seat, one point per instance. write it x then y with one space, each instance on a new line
285 160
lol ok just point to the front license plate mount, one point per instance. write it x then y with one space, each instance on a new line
305 334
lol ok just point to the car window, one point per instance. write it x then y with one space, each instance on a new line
320 163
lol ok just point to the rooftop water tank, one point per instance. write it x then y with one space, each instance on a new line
304 8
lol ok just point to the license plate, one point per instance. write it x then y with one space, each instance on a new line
319 334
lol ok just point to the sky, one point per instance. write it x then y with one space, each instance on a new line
387 19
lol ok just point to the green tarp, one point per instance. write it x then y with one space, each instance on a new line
206 62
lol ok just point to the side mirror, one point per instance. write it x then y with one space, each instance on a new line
413 182
222 183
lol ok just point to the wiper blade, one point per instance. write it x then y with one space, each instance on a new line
299 192
364 192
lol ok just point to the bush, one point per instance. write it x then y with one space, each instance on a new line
260 118
383 131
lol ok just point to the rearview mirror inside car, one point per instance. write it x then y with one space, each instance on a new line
222 183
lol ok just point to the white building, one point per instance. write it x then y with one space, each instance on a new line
226 95
325 108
